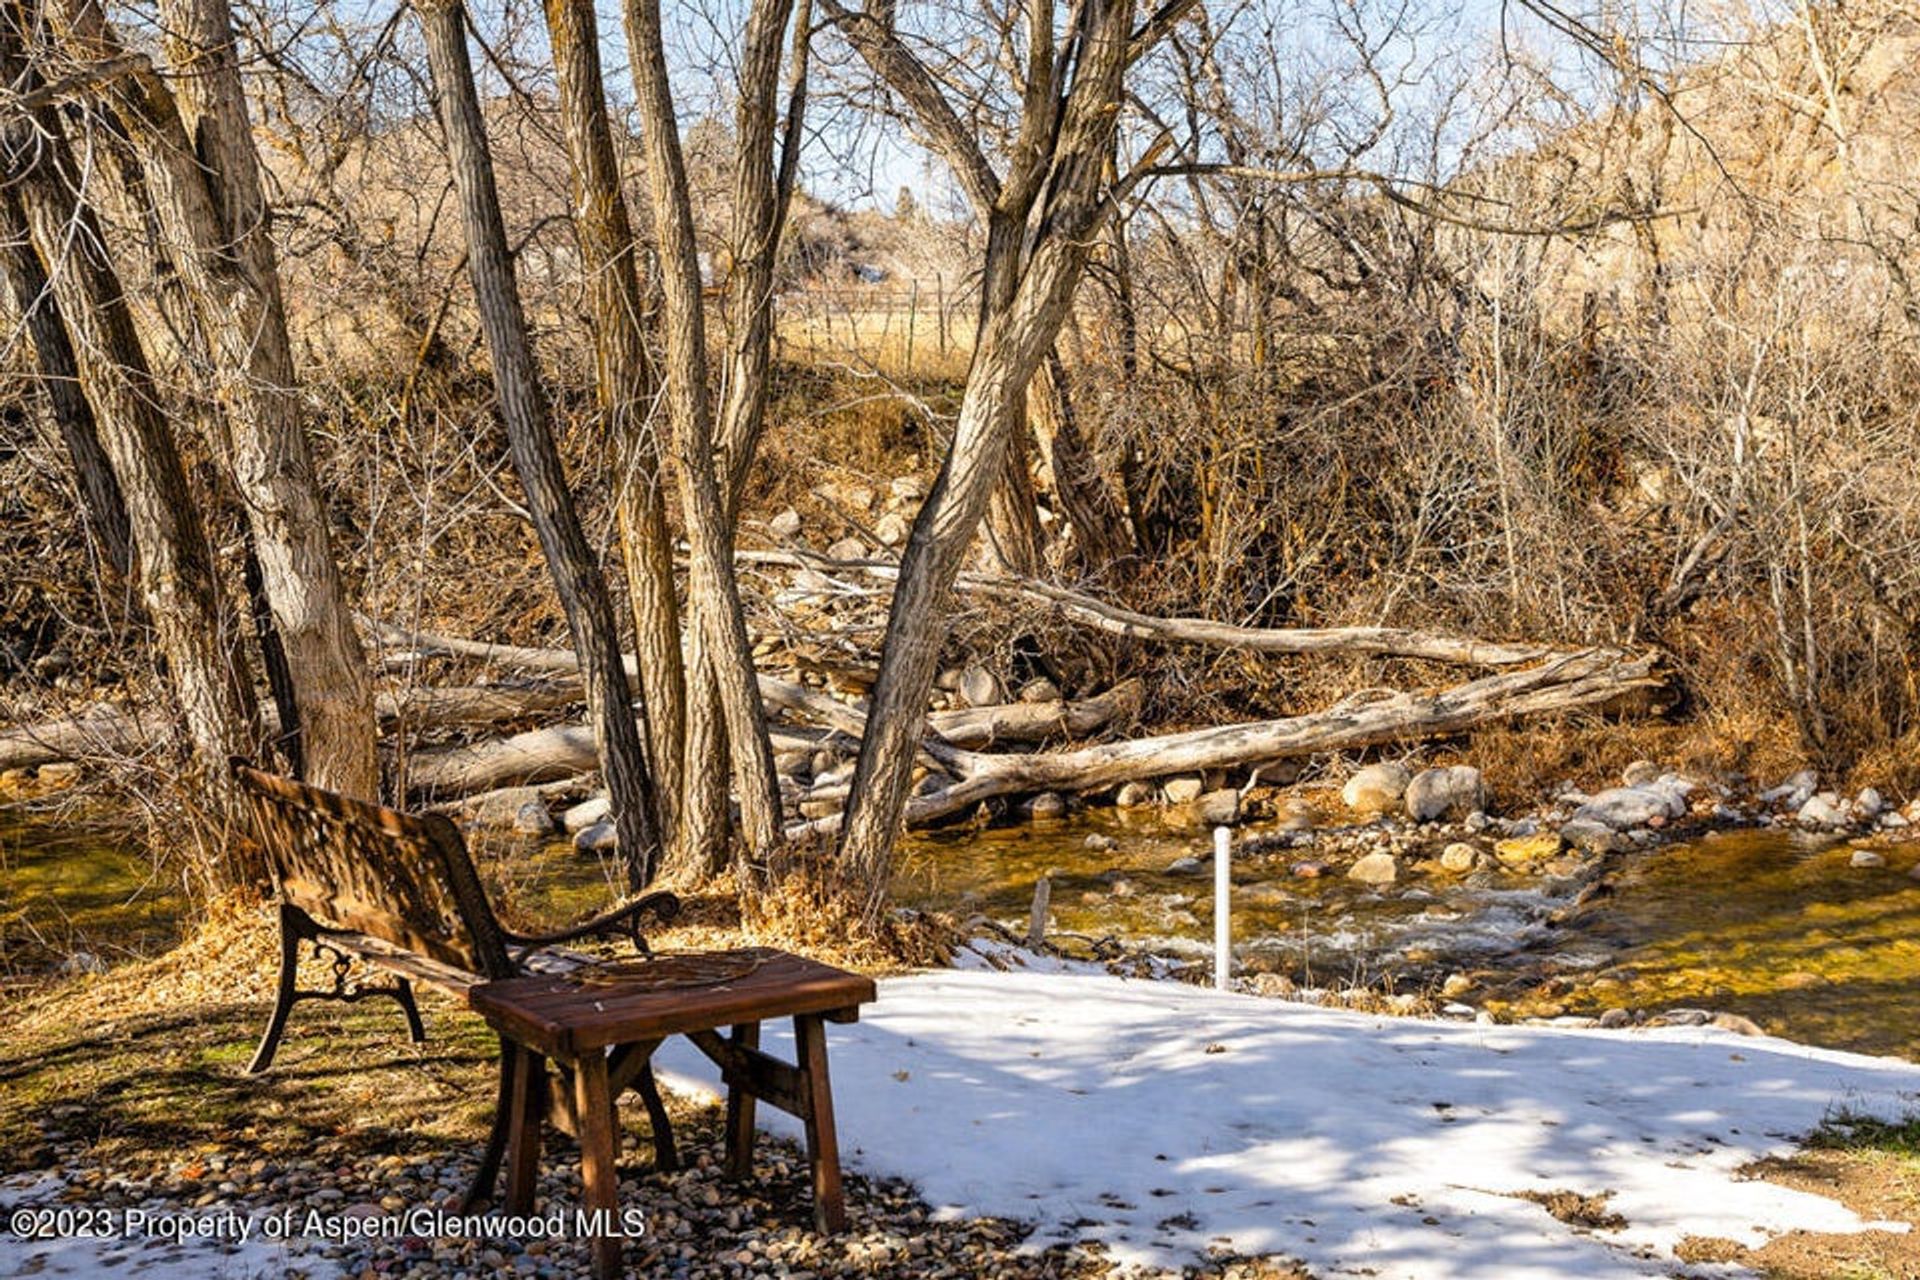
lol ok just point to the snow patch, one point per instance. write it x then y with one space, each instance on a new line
1166 1120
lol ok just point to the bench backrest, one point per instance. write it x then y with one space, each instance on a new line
402 878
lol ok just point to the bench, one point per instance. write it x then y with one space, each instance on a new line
399 892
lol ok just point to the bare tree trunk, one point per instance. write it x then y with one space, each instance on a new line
197 153
523 407
761 198
624 380
1099 525
713 594
175 571
1012 542
1054 183
60 379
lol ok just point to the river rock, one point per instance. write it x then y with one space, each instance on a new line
1040 690
1523 850
1308 870
846 549
1133 795
1868 804
1183 790
1377 788
1048 804
1640 773
1100 843
892 529
1589 835
1186 867
498 809
1867 858
533 819
1623 808
1437 793
583 815
1822 812
784 525
979 687
597 838
57 773
1795 791
1375 868
1220 808
1459 857
907 489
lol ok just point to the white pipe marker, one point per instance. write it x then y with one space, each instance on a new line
1222 910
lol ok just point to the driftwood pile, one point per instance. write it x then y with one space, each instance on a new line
970 753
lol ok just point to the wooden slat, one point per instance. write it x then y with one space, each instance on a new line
378 951
565 1018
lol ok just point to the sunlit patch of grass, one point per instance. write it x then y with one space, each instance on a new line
1870 1135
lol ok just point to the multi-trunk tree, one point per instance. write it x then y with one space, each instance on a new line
1044 208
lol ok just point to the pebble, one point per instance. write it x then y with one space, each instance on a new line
1867 858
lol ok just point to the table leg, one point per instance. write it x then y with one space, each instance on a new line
823 1147
593 1100
740 1108
481 1190
527 1111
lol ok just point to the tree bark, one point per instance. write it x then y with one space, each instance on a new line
1099 525
196 149
720 625
625 385
523 408
106 514
175 572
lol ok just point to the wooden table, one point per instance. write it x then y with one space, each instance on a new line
599 1029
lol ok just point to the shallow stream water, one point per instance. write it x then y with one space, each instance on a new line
1760 923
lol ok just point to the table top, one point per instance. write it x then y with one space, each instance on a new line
563 1015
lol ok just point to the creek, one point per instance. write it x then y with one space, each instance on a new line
1762 923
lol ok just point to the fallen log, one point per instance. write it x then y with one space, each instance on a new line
1586 680
106 730
1386 642
101 730
557 751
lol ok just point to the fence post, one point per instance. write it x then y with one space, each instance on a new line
913 319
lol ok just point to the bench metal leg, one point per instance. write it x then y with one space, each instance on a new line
740 1109
666 1157
823 1146
593 1103
480 1190
403 992
290 940
296 929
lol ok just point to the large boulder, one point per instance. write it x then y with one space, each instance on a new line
1452 792
1378 788
1625 808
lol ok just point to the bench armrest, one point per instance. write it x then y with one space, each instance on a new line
622 921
